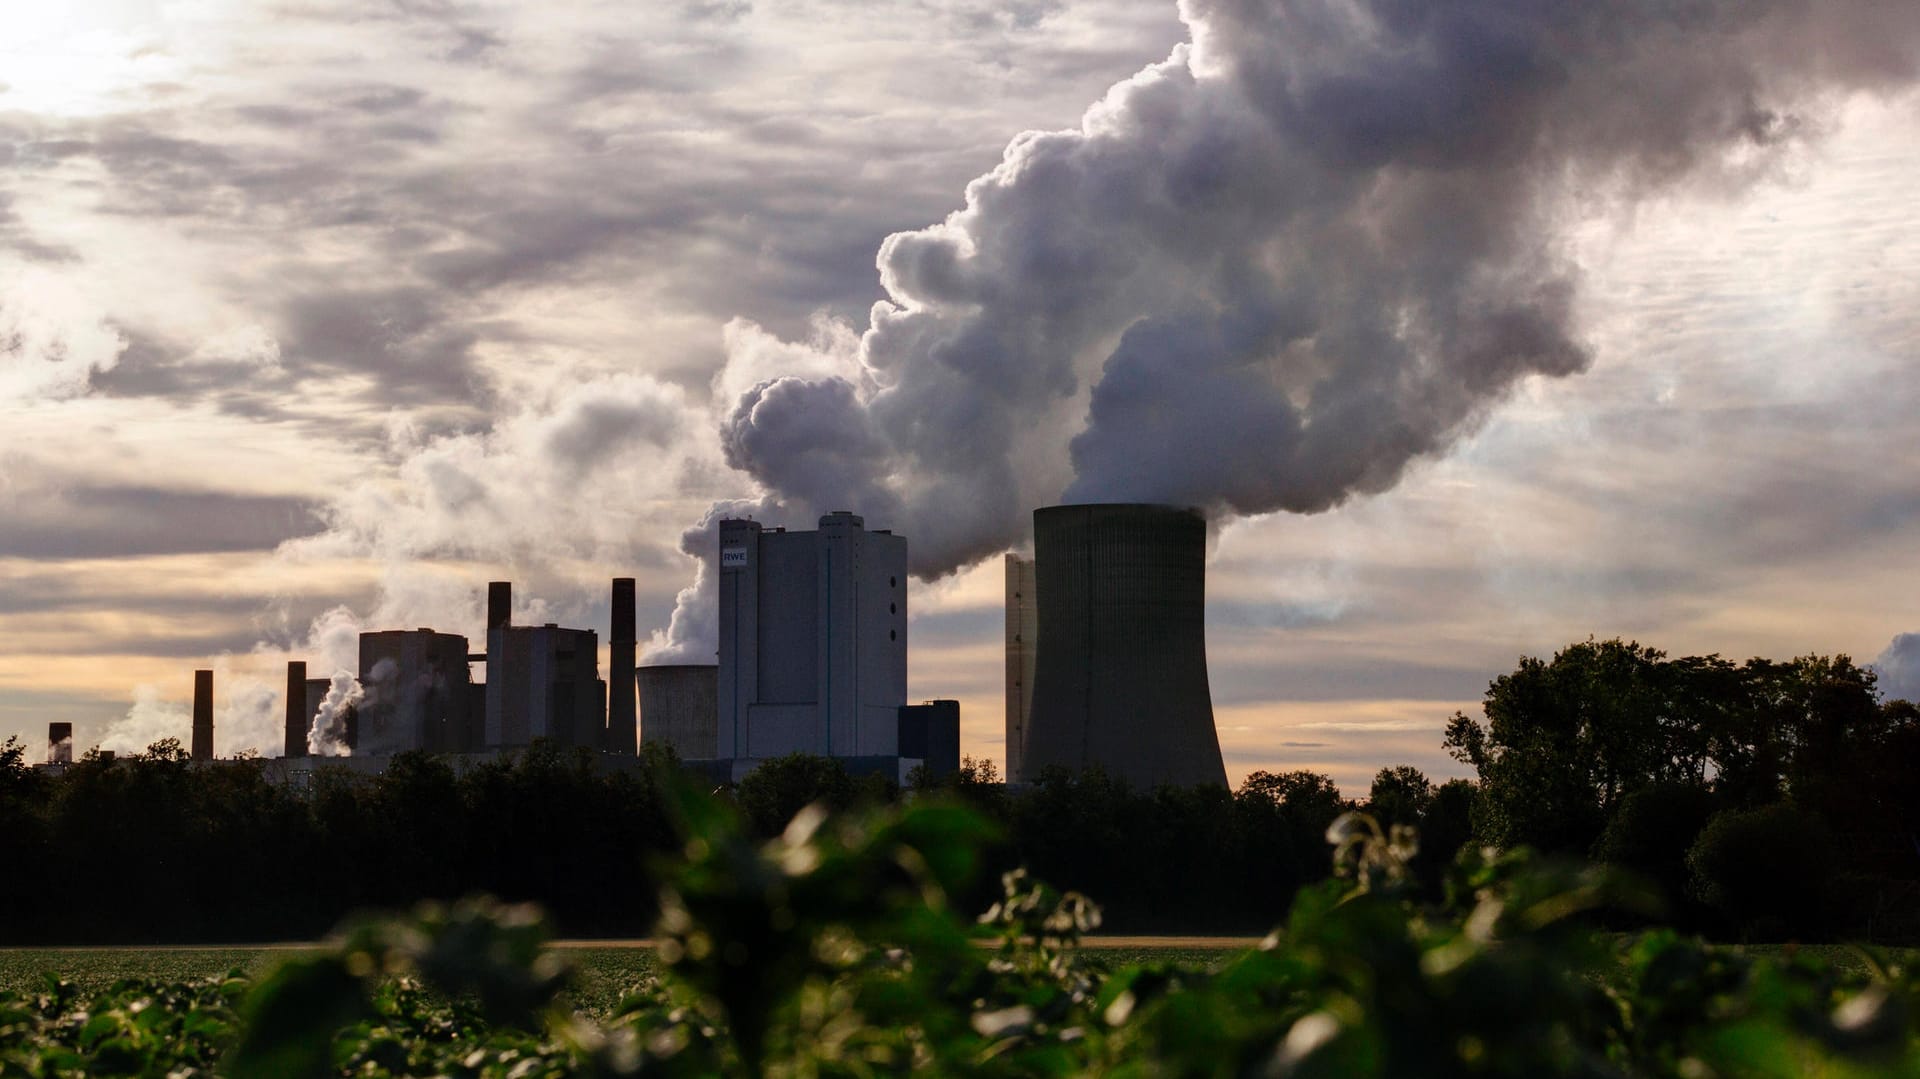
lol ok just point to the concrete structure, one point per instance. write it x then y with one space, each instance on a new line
59 743
623 730
1023 639
930 737
1121 676
813 640
680 707
415 696
202 749
294 715
544 682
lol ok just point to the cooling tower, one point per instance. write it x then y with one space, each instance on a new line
679 707
1121 676
622 646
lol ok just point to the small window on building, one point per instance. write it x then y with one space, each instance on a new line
891 609
893 582
893 635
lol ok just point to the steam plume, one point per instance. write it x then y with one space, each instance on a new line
1313 246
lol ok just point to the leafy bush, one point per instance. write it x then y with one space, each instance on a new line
833 950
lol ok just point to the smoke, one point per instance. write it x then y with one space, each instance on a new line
53 339
328 735
1315 245
246 713
1899 668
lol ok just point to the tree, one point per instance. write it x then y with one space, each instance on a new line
1565 740
779 788
1399 795
1765 869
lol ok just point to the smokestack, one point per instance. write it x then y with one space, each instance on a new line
59 743
499 604
203 715
1121 678
297 715
622 722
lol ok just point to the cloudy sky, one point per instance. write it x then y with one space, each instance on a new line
1478 330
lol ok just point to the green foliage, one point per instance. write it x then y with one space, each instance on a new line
1767 869
833 950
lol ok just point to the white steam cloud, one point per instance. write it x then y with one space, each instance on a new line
1315 245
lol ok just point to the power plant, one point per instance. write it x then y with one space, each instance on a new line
1117 651
813 649
680 708
1105 654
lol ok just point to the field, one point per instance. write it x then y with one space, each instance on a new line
603 971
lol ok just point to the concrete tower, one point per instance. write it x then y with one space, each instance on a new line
295 714
678 708
622 647
1121 678
813 640
1023 640
202 716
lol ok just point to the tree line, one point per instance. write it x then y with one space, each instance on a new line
1765 799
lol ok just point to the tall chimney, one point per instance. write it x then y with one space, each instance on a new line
296 711
59 743
203 715
499 604
622 722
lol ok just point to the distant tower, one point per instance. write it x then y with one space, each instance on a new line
59 743
813 640
1121 678
622 646
202 715
678 708
1023 638
295 714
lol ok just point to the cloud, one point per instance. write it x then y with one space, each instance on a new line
1315 246
1899 668
53 340
61 521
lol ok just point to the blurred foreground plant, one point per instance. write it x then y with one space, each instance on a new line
832 950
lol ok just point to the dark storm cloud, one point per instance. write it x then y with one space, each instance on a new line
123 521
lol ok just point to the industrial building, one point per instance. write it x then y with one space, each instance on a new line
202 745
813 640
623 646
1120 675
301 702
680 708
416 694
542 682
1023 635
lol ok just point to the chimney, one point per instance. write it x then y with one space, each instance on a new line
59 743
622 722
499 604
296 711
203 715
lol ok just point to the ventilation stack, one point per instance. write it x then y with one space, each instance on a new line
203 715
59 743
1121 677
297 715
622 650
499 604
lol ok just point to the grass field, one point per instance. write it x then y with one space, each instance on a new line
604 971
